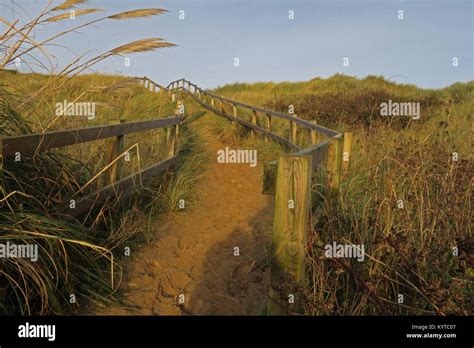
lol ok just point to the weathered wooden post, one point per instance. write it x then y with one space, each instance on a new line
234 112
292 136
268 125
313 136
171 140
115 150
292 209
173 132
346 152
254 122
334 165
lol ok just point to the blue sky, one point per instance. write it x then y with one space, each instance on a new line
271 47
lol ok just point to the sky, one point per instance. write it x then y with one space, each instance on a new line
270 46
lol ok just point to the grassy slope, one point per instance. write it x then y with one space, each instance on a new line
409 250
78 266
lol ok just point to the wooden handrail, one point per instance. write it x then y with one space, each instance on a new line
265 132
31 143
318 153
289 179
144 78
307 124
120 187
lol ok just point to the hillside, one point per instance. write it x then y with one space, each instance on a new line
407 197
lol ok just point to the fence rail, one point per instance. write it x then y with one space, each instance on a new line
307 124
289 179
32 144
118 188
250 125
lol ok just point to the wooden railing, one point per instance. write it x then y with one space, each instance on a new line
289 179
32 144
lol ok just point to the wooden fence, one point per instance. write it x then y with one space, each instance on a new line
32 144
290 180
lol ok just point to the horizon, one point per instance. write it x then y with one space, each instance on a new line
399 83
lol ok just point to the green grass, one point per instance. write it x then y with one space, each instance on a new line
81 257
409 250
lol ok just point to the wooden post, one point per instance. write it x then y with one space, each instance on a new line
292 136
254 122
173 132
154 88
268 125
346 152
313 136
212 102
172 136
234 110
292 209
334 165
115 149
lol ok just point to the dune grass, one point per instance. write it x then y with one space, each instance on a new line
80 259
408 250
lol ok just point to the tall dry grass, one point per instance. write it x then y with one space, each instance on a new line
409 250
77 257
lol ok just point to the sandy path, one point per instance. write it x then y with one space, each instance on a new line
194 251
